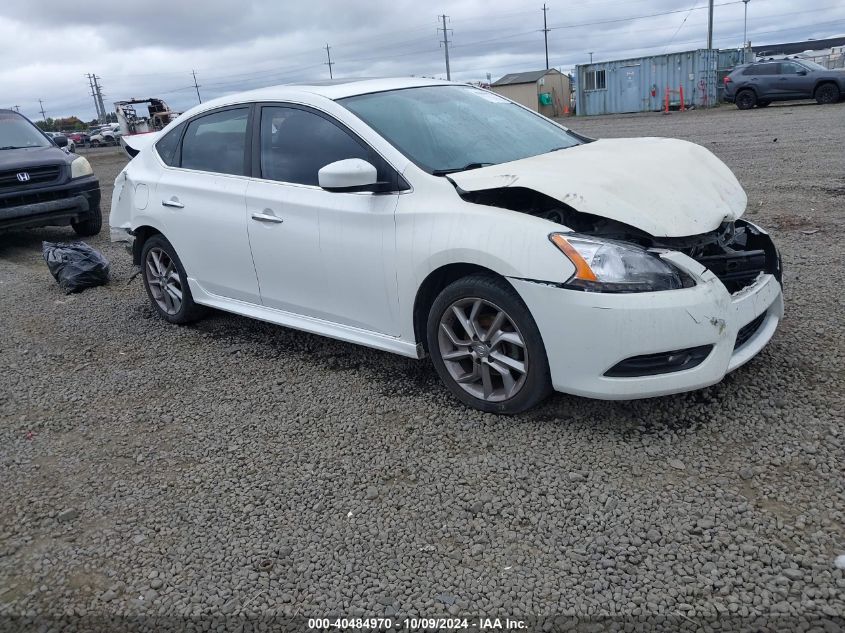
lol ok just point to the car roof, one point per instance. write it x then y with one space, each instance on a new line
330 89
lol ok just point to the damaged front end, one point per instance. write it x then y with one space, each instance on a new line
737 252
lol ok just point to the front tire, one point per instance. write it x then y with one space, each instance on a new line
167 283
486 347
745 99
91 226
763 104
826 94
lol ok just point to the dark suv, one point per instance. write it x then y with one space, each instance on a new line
761 83
42 185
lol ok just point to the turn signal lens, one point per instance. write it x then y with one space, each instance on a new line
582 268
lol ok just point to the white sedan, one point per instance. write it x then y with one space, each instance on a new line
430 218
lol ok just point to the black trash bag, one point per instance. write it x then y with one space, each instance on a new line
75 265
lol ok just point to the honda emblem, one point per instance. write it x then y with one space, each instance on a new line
23 176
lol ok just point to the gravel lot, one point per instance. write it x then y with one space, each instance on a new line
234 467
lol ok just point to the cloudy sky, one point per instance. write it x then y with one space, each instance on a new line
149 47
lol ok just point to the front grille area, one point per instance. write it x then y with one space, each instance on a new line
41 175
736 270
662 363
33 198
748 330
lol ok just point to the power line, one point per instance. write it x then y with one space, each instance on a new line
636 17
546 35
684 21
445 42
329 63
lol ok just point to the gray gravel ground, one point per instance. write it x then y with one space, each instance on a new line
233 467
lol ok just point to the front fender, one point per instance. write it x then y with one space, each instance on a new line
509 243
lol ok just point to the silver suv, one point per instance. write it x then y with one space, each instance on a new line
762 82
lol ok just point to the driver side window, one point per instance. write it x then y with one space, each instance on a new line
790 68
297 143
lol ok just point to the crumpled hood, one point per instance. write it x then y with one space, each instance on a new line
665 187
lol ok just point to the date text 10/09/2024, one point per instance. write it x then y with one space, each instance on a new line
417 624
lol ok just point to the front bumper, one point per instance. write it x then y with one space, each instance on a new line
57 205
585 334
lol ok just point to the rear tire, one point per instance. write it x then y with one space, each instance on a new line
91 226
763 104
486 347
826 94
745 99
167 283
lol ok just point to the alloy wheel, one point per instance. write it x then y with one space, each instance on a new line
745 100
482 349
163 280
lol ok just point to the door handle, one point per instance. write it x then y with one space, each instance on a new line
173 203
267 217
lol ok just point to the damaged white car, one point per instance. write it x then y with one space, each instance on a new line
435 219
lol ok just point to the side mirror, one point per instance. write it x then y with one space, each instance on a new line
802 72
60 141
351 174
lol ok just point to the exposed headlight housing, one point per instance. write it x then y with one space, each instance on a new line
80 167
610 266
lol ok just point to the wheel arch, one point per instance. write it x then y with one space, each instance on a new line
433 285
825 81
142 234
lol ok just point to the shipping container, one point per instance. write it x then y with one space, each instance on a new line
639 84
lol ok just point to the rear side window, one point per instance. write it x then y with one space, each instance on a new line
762 69
296 144
216 142
168 145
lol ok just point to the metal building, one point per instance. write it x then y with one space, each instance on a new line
544 91
639 84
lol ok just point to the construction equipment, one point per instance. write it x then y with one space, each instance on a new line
131 122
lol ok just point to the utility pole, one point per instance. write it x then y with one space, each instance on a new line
745 26
43 114
194 73
99 91
710 26
17 108
546 35
94 95
330 62
591 57
445 42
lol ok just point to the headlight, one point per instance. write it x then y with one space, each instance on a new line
80 167
610 266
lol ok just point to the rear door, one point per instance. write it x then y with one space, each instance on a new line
764 78
201 202
329 255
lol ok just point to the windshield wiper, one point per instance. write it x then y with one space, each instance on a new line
15 147
557 149
443 172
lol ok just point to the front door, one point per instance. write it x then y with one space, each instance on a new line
794 81
328 255
631 94
201 202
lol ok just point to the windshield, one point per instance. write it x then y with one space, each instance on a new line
445 129
17 133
